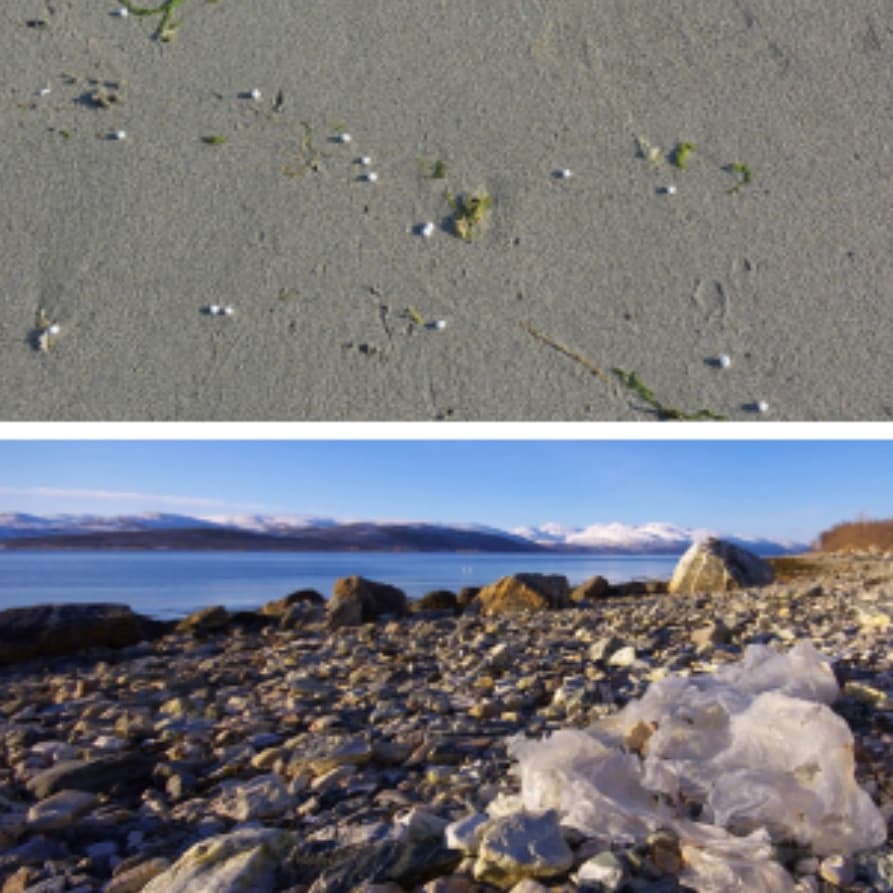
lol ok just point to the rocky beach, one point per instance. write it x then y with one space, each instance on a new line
365 743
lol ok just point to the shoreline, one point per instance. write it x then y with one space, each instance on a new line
339 735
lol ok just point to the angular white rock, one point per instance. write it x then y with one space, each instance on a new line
263 797
604 870
243 861
465 834
522 846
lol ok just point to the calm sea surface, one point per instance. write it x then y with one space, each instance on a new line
172 584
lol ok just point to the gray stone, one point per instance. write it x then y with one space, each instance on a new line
50 885
714 565
623 657
714 633
604 648
91 775
465 834
838 870
60 810
243 861
409 861
521 846
135 878
263 797
604 871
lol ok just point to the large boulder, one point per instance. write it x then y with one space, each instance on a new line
714 565
524 592
57 630
356 600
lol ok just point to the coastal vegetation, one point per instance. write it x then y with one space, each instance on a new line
857 536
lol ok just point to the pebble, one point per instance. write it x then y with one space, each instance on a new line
838 870
604 870
392 731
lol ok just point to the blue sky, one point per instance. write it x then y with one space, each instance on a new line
775 489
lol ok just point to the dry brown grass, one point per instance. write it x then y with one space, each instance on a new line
856 536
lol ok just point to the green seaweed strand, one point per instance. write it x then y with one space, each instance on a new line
165 30
629 380
633 382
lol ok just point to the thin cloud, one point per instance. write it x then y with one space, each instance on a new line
112 495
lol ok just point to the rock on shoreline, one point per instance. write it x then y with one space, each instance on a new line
55 630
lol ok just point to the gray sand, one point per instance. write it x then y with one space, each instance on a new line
125 242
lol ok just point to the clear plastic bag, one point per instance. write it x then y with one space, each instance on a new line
754 746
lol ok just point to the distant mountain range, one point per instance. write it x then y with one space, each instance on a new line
298 533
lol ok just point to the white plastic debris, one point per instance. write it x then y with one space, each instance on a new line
344 138
119 135
255 94
669 190
754 745
762 406
122 11
724 361
426 230
371 177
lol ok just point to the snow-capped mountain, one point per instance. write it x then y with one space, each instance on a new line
309 531
655 538
268 523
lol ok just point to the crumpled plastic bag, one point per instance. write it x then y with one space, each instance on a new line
754 745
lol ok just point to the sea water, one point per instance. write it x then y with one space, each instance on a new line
166 584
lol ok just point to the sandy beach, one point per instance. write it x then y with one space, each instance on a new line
125 242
